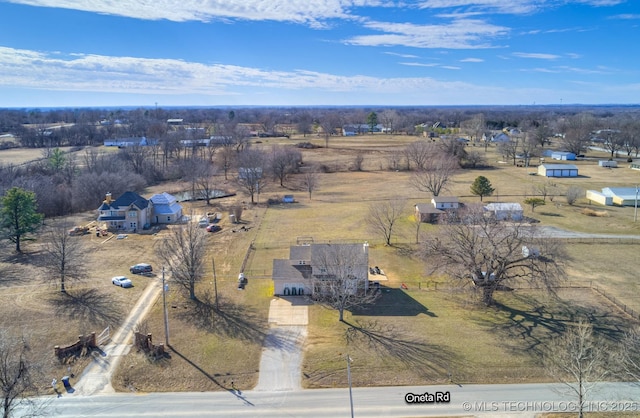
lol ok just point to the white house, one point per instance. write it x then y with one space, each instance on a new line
445 202
558 170
563 155
166 208
505 211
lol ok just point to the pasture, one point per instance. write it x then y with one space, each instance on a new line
406 338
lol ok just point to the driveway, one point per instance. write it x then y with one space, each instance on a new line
281 361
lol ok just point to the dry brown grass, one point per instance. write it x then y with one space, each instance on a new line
596 213
409 340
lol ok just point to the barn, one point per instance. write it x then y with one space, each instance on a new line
558 170
563 155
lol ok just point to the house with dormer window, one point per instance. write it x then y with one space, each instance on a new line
129 212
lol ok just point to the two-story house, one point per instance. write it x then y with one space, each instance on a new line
311 265
129 212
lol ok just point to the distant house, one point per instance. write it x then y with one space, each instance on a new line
445 202
426 212
129 212
130 142
608 163
501 138
563 155
296 276
505 211
166 209
558 170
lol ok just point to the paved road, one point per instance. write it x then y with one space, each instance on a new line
473 400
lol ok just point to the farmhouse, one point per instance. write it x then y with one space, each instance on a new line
558 170
166 209
307 263
445 202
505 211
129 212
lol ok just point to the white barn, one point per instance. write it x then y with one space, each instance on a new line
558 170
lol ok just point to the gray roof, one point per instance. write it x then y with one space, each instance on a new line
560 166
427 208
290 270
446 199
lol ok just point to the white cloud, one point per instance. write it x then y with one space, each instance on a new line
311 12
472 60
536 55
401 55
417 64
461 34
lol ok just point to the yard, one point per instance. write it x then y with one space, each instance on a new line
406 338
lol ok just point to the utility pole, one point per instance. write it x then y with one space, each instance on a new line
215 283
635 211
349 379
165 287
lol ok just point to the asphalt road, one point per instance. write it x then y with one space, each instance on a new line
472 400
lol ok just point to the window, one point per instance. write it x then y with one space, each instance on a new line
168 218
133 214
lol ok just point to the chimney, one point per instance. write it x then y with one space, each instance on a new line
108 199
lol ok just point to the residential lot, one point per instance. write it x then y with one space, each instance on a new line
406 338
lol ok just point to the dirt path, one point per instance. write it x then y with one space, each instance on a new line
96 377
281 361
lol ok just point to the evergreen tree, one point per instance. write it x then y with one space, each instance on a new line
482 187
372 120
18 215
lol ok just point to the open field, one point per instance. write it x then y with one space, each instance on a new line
407 338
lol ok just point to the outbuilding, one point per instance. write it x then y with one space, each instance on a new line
563 155
505 211
558 170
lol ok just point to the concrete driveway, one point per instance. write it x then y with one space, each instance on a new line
281 361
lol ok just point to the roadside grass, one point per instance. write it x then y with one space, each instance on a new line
417 344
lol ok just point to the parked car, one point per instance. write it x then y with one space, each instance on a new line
214 228
141 268
121 281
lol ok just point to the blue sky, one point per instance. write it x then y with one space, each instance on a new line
318 52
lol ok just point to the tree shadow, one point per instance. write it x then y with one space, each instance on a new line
431 361
393 302
231 390
88 305
531 328
229 319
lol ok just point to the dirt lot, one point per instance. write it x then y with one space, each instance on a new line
414 326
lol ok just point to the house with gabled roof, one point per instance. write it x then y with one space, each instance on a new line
129 212
166 209
307 264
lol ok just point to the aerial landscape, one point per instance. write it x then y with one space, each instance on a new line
322 208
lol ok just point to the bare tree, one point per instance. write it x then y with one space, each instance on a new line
420 153
251 172
65 254
284 161
183 250
17 380
204 178
436 174
509 150
383 217
474 248
329 123
577 132
579 360
474 159
628 357
310 180
572 194
342 279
